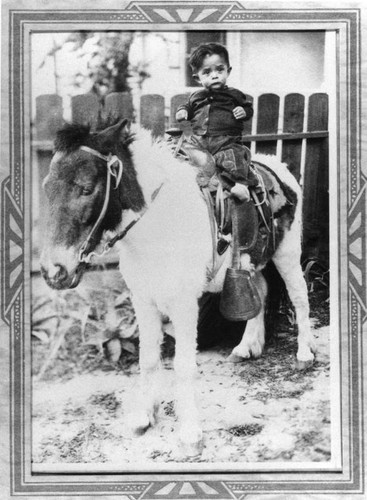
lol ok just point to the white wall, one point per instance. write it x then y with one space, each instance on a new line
277 61
163 53
262 61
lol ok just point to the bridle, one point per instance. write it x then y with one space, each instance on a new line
114 169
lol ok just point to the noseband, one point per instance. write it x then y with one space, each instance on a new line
85 255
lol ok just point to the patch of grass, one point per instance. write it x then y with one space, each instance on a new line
309 438
320 307
72 450
276 391
245 430
326 453
169 409
107 401
84 446
79 411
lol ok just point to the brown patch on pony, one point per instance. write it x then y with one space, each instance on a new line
282 198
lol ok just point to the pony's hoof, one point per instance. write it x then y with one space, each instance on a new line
234 358
139 423
193 449
191 441
247 351
304 365
305 357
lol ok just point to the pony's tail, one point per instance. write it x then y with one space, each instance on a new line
277 295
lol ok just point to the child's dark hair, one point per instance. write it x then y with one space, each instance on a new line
207 49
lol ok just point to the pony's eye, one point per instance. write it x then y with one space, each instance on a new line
86 191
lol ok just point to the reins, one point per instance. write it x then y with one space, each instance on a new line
85 255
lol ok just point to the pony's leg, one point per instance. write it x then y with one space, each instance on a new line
253 339
287 261
184 317
150 338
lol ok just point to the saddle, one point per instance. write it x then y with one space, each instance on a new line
249 224
255 230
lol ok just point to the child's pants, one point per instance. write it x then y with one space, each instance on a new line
231 157
232 165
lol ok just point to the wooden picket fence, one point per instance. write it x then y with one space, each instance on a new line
294 127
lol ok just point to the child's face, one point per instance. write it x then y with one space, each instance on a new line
214 72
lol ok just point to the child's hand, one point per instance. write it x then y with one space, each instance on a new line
181 115
239 113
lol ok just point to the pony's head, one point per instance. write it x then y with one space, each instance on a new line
77 187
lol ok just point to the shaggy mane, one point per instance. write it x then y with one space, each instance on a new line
71 136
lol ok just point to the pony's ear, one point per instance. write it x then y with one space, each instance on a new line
117 133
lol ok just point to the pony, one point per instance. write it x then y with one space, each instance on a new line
129 189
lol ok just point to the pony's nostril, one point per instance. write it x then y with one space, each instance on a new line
56 273
61 273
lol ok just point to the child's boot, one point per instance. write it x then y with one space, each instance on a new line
247 222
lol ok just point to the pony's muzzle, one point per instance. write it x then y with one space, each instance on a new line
58 278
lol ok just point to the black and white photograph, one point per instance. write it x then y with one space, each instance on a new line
183 225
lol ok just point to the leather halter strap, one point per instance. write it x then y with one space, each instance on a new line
85 255
111 160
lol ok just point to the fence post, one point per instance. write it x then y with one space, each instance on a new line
247 125
152 113
85 109
119 105
267 122
294 105
48 116
176 101
48 120
316 179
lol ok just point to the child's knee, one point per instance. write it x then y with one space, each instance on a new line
241 192
233 162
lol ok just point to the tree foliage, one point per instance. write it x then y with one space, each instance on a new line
108 59
106 54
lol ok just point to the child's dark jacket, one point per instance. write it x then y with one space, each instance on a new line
211 111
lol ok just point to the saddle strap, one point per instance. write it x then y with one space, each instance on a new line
209 203
218 258
259 207
236 257
219 207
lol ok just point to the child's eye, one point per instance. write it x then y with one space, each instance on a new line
205 72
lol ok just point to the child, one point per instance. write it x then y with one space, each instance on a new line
217 113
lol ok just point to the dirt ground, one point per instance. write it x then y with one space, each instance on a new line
256 411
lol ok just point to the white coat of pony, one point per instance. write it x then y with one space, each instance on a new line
165 259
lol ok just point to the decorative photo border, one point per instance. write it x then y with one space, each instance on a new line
18 22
